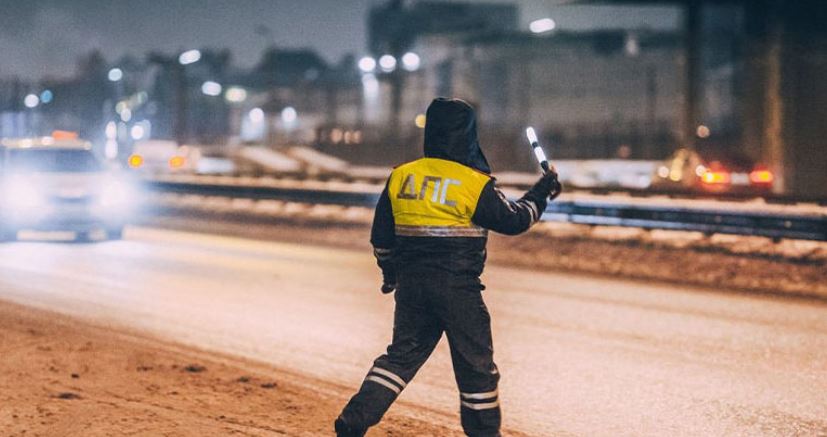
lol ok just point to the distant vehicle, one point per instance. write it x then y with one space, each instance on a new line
51 184
712 171
160 156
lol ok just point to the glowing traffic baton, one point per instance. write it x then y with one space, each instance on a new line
538 151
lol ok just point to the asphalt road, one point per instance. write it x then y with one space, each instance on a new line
579 355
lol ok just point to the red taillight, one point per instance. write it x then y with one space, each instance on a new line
761 177
715 177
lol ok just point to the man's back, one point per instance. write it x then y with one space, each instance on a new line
433 201
429 235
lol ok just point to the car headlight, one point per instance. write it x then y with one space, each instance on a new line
21 195
117 194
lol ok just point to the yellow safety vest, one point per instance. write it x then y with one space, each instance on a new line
433 197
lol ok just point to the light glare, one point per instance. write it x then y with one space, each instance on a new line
137 132
111 130
211 88
542 25
387 63
367 64
532 136
31 101
540 154
115 74
110 149
189 57
288 115
410 61
235 94
46 96
256 115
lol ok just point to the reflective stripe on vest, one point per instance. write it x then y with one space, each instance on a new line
433 197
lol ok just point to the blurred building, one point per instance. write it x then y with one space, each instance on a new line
598 94
294 96
395 26
589 93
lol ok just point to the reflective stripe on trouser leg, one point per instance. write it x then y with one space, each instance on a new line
415 334
480 413
378 391
480 401
386 379
468 328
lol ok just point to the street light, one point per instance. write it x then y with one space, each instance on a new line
256 115
235 94
410 61
189 57
46 96
387 63
115 74
126 115
542 25
211 88
137 132
289 115
367 64
31 101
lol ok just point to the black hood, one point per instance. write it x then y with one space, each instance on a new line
451 133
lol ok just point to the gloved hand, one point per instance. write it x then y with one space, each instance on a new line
388 281
547 187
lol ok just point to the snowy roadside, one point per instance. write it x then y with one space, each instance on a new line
60 376
753 264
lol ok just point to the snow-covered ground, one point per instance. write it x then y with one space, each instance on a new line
788 249
755 205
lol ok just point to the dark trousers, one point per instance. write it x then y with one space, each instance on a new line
428 304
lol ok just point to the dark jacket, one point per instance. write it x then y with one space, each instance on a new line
450 135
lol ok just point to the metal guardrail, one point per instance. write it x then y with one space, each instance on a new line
772 225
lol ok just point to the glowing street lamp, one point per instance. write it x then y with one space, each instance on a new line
387 63
542 25
256 115
289 115
115 74
235 94
211 88
367 64
31 101
137 132
410 61
189 57
46 96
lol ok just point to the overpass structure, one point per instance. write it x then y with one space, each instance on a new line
782 89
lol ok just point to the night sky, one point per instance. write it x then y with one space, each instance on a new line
44 37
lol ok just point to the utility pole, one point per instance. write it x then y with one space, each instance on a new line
651 111
692 69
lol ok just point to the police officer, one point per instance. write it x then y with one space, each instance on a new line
429 235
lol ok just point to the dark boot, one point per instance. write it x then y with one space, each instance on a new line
344 430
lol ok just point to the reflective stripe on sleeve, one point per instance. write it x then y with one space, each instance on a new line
440 231
382 254
484 406
532 209
383 382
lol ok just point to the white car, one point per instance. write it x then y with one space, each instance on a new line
48 184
